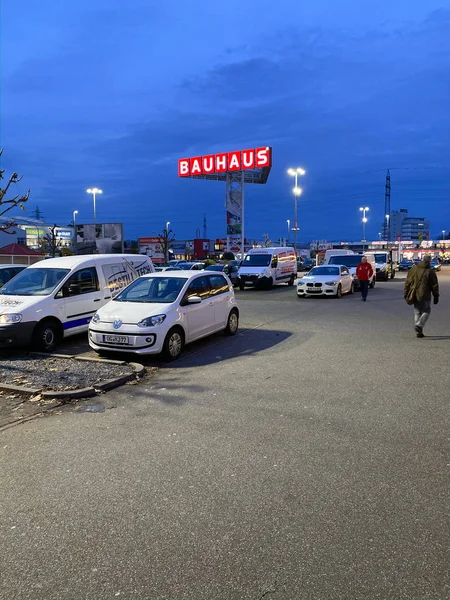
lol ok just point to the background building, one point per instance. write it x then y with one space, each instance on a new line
408 228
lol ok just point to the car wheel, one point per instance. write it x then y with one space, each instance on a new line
232 323
300 296
338 293
291 280
270 284
173 344
352 289
392 274
241 287
46 336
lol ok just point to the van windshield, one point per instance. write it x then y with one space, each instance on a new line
257 260
349 260
34 282
380 258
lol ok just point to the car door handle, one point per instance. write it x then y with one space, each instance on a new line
98 300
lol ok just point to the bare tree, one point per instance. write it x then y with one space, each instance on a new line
267 242
166 238
50 244
6 205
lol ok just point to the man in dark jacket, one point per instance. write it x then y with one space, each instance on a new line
424 281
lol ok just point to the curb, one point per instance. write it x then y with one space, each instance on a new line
100 387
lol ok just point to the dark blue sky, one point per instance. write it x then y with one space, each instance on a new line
109 94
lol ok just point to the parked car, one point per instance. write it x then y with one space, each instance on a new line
160 269
192 266
265 267
56 298
7 272
327 280
405 265
307 264
435 264
351 261
161 312
231 270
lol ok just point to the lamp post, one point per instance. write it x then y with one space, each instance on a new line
288 229
297 192
75 212
388 229
364 209
379 235
443 234
94 191
167 225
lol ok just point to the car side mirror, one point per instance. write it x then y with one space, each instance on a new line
194 300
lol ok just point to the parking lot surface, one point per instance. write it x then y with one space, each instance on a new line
307 457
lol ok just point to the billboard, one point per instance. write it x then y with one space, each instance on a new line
216 166
102 238
151 246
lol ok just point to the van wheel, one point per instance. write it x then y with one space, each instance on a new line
392 274
338 293
241 287
372 284
173 344
46 336
291 280
232 323
352 289
270 284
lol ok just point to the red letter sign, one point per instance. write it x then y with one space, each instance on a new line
234 161
248 159
183 167
221 162
263 157
196 165
209 164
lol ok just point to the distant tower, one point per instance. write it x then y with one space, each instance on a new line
197 233
387 208
205 228
37 214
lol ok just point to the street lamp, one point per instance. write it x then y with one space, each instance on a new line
297 191
443 234
167 226
74 215
289 228
388 229
379 235
364 209
94 191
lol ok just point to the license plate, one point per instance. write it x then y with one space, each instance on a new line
116 339
249 282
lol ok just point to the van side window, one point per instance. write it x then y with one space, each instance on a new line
84 281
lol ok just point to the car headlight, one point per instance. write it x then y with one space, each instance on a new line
331 282
301 283
10 318
96 318
152 321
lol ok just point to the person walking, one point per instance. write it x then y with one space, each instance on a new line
364 272
421 283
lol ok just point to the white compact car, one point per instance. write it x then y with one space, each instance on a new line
161 312
326 280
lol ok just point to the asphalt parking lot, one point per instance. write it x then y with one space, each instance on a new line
307 457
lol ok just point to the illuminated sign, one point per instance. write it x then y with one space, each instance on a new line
216 165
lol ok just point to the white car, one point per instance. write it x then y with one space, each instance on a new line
326 280
161 312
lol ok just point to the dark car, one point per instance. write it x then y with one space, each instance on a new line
307 265
435 264
405 265
7 272
231 270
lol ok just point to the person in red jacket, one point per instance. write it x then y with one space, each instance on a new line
364 272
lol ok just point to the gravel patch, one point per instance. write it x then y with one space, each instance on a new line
57 374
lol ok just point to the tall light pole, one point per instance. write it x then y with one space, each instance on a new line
364 209
443 234
297 192
379 235
94 191
388 228
74 214
167 226
288 221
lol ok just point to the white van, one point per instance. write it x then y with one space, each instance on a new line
335 252
264 267
351 261
58 297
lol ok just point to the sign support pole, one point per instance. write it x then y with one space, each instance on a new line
243 213
227 195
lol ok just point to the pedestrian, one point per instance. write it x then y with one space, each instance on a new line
364 272
421 283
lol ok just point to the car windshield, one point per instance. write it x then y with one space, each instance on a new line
34 282
162 290
380 258
257 260
215 268
324 271
349 260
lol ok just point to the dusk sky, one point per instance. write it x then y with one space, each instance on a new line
110 94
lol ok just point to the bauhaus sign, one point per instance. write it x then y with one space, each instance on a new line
225 162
